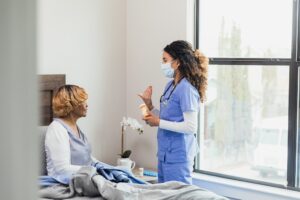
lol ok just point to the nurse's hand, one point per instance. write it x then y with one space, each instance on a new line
146 97
151 119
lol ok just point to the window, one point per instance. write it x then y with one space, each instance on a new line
243 28
248 125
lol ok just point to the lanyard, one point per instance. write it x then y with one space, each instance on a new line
167 99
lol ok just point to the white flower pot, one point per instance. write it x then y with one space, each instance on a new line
126 163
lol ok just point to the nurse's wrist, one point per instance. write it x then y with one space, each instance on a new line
150 107
158 122
161 123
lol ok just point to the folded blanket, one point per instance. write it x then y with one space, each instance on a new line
87 182
46 181
116 175
81 184
109 172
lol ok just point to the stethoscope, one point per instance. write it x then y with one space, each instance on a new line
164 101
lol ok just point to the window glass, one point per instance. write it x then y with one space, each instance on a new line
244 122
243 28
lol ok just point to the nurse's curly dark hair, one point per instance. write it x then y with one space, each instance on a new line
193 65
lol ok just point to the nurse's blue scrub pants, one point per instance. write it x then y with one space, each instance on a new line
175 172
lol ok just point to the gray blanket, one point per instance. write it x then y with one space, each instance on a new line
87 184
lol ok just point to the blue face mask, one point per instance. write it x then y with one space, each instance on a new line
167 70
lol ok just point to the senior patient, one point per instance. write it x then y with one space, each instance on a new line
67 148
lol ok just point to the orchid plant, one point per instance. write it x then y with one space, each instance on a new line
135 125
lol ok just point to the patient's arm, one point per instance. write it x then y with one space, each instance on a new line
58 153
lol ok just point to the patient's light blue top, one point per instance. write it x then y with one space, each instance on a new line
174 147
80 147
60 139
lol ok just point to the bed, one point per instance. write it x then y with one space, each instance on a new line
47 86
86 184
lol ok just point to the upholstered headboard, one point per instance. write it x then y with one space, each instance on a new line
48 84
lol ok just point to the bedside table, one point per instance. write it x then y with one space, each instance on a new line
149 179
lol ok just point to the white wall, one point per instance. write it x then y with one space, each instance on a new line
151 25
85 39
18 101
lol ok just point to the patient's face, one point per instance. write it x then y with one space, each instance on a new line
81 109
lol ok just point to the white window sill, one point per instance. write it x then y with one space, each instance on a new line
243 190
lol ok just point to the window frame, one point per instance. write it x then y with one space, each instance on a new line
293 178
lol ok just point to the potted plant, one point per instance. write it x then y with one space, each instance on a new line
135 125
124 161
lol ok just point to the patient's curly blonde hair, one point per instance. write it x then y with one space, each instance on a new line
66 99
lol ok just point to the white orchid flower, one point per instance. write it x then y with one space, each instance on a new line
132 123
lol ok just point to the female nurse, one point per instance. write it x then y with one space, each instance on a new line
179 106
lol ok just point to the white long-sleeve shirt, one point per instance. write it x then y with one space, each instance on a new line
189 125
58 152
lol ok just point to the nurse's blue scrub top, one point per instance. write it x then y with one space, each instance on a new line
174 147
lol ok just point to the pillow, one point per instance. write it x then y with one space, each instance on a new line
43 164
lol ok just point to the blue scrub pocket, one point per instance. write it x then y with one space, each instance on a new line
161 156
177 151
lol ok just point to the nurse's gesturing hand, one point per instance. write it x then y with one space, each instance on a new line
152 119
146 97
